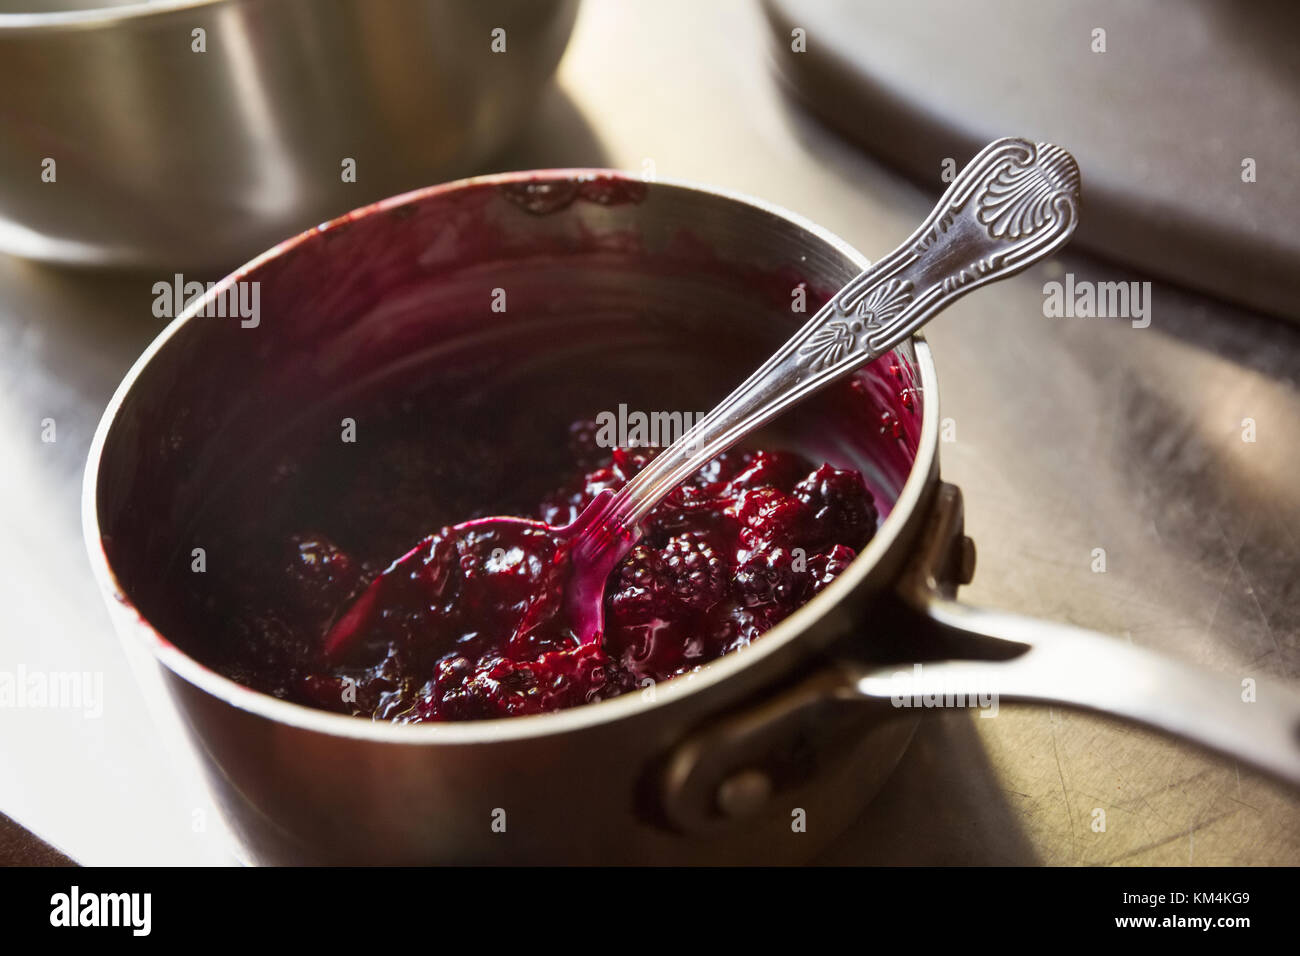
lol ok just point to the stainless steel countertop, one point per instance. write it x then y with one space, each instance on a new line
1071 434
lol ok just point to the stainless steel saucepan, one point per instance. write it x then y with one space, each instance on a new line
189 134
709 768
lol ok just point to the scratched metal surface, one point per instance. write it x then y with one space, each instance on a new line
1071 434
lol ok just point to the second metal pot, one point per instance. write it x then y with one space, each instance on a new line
190 134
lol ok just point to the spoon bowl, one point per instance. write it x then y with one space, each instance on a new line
584 577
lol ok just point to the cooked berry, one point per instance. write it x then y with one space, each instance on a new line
695 571
770 517
771 576
583 446
841 507
825 568
774 469
640 588
319 575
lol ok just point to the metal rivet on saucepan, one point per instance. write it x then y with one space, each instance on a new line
966 569
744 793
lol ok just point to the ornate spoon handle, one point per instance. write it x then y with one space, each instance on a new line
1015 203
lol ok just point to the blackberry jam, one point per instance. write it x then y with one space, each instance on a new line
475 627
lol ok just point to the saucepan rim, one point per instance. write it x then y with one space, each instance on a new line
92 17
909 499
98 16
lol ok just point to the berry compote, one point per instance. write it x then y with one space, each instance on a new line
474 625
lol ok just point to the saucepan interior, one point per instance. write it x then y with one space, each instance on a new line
497 310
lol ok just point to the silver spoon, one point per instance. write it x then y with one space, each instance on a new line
1014 204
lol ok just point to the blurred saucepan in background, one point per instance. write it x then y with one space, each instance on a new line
190 133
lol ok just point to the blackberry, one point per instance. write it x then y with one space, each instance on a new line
773 469
319 576
770 517
583 447
769 577
655 583
825 568
640 586
694 571
840 506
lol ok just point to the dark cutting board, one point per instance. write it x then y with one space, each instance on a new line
1160 122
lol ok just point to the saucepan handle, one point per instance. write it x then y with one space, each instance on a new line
942 649
1251 717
